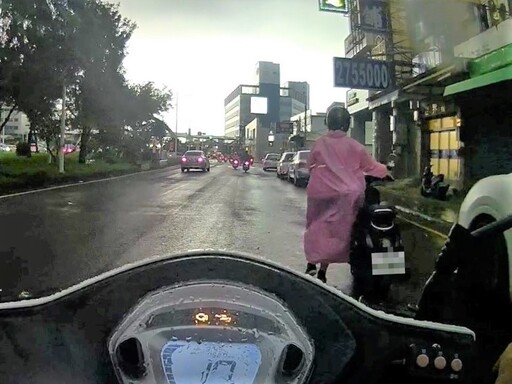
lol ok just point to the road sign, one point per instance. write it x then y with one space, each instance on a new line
362 74
285 127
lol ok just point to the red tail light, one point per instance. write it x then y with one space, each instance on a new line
246 163
200 159
236 161
184 159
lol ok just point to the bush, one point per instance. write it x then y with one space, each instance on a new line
23 149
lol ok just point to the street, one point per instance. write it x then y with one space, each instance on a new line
55 238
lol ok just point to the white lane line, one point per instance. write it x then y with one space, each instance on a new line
176 187
87 182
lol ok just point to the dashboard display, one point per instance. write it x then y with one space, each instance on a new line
210 363
203 317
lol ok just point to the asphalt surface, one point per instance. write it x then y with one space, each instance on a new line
52 239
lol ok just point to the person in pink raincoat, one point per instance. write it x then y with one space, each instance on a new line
335 192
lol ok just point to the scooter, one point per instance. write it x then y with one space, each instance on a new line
246 166
216 316
235 164
433 186
377 253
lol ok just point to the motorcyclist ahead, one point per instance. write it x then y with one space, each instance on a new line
335 192
245 157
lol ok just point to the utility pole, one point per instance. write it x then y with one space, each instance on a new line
305 118
176 129
62 128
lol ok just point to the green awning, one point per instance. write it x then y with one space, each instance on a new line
493 77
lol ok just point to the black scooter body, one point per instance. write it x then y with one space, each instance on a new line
375 231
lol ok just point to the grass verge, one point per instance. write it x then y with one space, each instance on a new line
21 174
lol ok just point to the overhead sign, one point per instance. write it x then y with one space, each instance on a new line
362 74
284 127
339 6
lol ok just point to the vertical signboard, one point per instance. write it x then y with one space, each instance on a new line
373 16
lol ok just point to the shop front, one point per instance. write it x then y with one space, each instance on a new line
444 144
486 115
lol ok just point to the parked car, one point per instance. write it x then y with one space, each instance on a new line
5 148
284 164
270 161
195 160
298 171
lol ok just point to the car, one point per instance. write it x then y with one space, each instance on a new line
298 171
270 161
4 148
284 164
489 200
195 160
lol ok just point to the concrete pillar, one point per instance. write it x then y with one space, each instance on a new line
357 131
402 145
382 136
415 142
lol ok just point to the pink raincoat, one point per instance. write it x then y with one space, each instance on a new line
335 192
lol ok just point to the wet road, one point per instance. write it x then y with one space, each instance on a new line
52 239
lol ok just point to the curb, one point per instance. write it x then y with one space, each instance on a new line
421 215
429 224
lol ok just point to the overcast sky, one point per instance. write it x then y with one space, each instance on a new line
204 48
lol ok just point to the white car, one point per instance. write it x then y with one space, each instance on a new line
4 148
284 164
490 199
270 161
298 171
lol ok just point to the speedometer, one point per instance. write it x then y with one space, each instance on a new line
209 363
216 332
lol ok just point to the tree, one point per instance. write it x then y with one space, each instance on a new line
102 37
35 56
142 104
77 45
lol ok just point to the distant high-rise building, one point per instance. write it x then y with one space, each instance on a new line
282 103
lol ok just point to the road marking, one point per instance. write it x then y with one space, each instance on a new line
172 167
174 189
433 231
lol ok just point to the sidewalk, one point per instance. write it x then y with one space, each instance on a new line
433 214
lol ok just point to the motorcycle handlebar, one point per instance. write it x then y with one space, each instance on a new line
371 179
494 228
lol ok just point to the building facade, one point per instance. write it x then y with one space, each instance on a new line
455 92
251 127
436 110
237 109
17 126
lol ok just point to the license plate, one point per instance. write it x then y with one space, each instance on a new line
388 263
